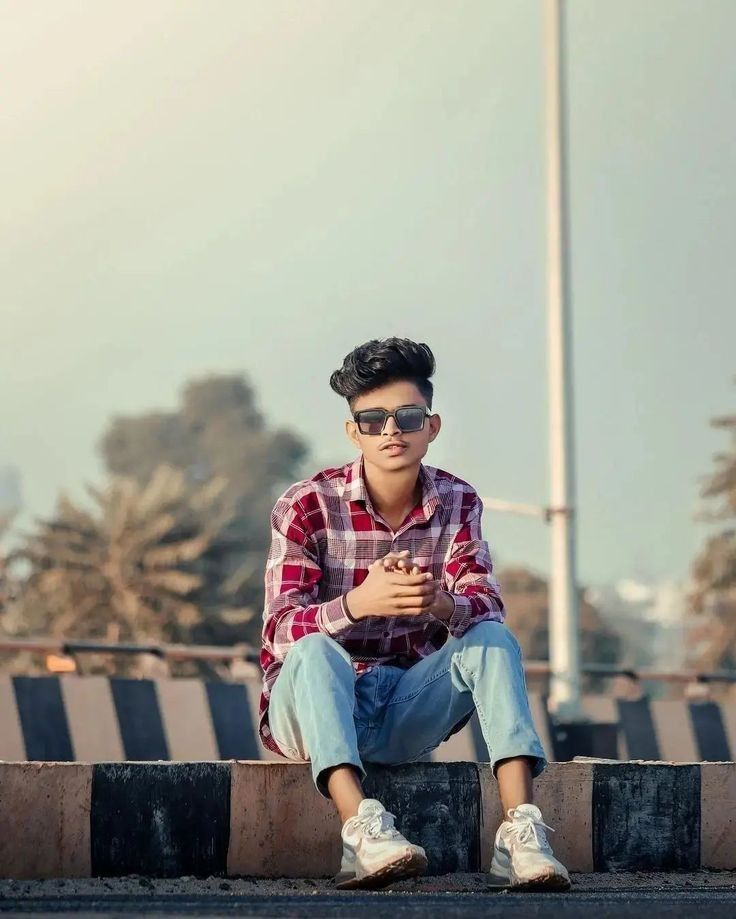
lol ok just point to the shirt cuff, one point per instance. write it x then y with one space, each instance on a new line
459 621
333 618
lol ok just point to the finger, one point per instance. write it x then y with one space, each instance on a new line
410 580
421 590
393 566
415 602
394 558
412 569
407 565
412 611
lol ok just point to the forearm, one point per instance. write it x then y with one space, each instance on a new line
353 605
468 575
472 606
444 606
286 622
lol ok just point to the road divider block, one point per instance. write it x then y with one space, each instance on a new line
266 819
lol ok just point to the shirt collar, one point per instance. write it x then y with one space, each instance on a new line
355 489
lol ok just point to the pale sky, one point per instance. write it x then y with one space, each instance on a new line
246 186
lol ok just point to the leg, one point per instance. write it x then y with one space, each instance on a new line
345 789
513 773
311 717
483 671
522 855
514 782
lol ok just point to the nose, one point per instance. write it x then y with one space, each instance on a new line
390 428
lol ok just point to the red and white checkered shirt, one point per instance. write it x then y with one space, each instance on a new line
324 535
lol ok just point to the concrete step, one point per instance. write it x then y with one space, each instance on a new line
260 819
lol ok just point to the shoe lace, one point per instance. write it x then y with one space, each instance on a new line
526 830
376 825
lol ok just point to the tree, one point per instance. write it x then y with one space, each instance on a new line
173 545
135 567
8 579
714 568
526 597
11 609
217 432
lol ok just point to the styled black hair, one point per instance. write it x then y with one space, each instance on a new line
383 361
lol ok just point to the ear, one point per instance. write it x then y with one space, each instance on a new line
351 429
435 423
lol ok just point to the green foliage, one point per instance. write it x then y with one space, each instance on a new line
136 561
173 545
217 433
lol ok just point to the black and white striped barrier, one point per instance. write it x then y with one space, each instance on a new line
267 820
94 718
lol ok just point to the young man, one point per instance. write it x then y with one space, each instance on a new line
384 628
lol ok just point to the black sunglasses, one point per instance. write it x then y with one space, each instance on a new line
408 418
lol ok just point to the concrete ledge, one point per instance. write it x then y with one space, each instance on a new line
718 815
261 819
45 820
279 825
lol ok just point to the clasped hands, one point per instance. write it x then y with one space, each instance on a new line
395 586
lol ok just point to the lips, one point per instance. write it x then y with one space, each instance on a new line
394 445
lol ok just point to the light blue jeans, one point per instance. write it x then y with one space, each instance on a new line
319 711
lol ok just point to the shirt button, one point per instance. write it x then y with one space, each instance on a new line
386 634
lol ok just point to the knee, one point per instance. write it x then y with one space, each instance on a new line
491 634
317 650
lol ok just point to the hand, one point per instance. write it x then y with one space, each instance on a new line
400 561
389 592
444 605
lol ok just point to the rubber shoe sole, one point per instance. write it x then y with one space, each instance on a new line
542 882
409 865
548 879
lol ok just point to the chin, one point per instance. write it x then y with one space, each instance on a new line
394 463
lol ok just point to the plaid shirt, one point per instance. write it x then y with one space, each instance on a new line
324 535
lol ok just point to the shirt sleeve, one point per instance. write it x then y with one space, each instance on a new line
469 576
293 576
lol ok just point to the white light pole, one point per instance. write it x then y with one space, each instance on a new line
564 625
563 601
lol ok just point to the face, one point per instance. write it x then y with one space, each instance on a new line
393 449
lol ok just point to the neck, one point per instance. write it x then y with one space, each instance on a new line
392 492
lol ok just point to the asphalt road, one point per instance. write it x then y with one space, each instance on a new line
710 894
624 904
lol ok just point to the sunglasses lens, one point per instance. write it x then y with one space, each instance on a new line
410 419
371 422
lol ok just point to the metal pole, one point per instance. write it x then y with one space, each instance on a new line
563 601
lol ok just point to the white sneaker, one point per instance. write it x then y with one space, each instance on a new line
374 853
522 856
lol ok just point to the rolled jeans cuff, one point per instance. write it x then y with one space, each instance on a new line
328 761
